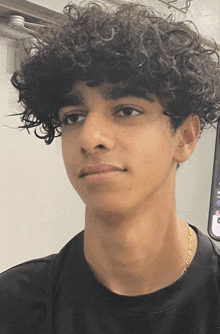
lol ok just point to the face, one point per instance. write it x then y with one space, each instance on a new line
118 148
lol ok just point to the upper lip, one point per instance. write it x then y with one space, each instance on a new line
98 168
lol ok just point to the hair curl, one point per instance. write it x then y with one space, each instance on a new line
129 44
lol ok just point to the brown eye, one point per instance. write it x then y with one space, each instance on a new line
72 119
127 112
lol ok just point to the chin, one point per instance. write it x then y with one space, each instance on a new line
110 206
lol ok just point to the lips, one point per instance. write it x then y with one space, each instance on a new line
97 169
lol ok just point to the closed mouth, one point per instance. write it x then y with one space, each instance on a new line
98 168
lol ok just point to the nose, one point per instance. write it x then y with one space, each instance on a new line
96 134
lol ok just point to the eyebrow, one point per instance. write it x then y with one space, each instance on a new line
72 99
116 93
76 98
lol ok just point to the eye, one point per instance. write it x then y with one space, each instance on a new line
127 111
70 119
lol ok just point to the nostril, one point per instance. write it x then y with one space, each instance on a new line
100 146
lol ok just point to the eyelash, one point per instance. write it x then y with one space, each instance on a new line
129 108
66 118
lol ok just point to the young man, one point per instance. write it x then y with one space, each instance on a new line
130 93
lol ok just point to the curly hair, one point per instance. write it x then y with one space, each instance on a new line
131 44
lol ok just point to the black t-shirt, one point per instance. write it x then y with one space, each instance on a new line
59 294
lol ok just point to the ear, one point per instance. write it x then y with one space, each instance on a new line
186 138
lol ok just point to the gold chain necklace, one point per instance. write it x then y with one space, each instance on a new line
189 252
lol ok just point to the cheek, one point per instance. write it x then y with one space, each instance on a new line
153 150
69 157
155 141
69 146
67 153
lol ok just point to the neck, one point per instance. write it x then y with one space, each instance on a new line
135 255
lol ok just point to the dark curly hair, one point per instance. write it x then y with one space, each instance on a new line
130 44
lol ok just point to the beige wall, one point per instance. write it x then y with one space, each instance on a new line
40 211
56 5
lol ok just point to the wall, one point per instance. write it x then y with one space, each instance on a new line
56 5
40 210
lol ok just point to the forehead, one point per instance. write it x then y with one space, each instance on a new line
107 91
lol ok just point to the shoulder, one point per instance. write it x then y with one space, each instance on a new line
24 295
209 255
31 273
26 291
216 253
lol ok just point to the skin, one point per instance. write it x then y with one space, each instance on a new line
133 241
